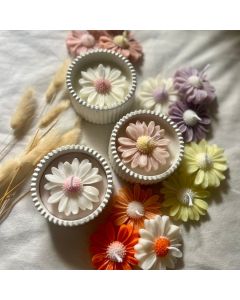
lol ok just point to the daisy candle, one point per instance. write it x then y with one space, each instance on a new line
71 185
145 147
102 84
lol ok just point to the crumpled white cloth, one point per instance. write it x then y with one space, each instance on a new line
28 241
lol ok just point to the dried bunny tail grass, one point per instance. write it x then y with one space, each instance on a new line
45 145
6 169
60 76
57 82
33 142
54 113
71 137
24 112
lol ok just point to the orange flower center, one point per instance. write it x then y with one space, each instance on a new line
161 245
135 210
102 86
116 251
145 144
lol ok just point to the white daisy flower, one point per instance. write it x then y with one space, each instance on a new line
70 186
157 94
103 86
158 246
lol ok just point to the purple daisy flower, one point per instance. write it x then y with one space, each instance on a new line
193 84
192 119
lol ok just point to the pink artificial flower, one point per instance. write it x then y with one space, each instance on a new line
83 40
123 43
144 146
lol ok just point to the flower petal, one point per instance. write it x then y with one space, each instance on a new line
55 197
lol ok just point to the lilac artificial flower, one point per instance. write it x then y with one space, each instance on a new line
192 119
193 85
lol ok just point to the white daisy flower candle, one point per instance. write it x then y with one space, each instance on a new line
71 185
102 85
157 94
159 244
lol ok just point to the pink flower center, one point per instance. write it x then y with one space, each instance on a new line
145 144
87 40
160 95
72 184
102 86
116 251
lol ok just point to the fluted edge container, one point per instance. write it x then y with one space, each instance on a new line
129 174
92 113
39 173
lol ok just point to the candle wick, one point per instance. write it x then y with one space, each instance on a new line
138 213
118 258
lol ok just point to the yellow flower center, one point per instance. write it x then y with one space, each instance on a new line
161 246
204 161
145 144
186 197
135 210
121 40
116 251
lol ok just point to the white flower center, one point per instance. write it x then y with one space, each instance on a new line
72 184
135 210
87 40
116 251
204 161
186 196
160 95
190 117
145 144
195 81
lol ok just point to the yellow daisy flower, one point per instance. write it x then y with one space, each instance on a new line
182 199
206 162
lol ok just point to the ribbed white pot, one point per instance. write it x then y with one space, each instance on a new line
37 184
90 112
124 170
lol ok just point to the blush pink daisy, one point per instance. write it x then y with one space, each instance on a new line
144 146
79 41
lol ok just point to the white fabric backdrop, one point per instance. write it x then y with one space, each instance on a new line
28 241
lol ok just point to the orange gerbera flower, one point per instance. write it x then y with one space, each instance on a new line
134 206
113 247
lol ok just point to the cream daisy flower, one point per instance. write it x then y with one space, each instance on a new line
70 186
182 199
158 246
103 86
157 94
206 163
